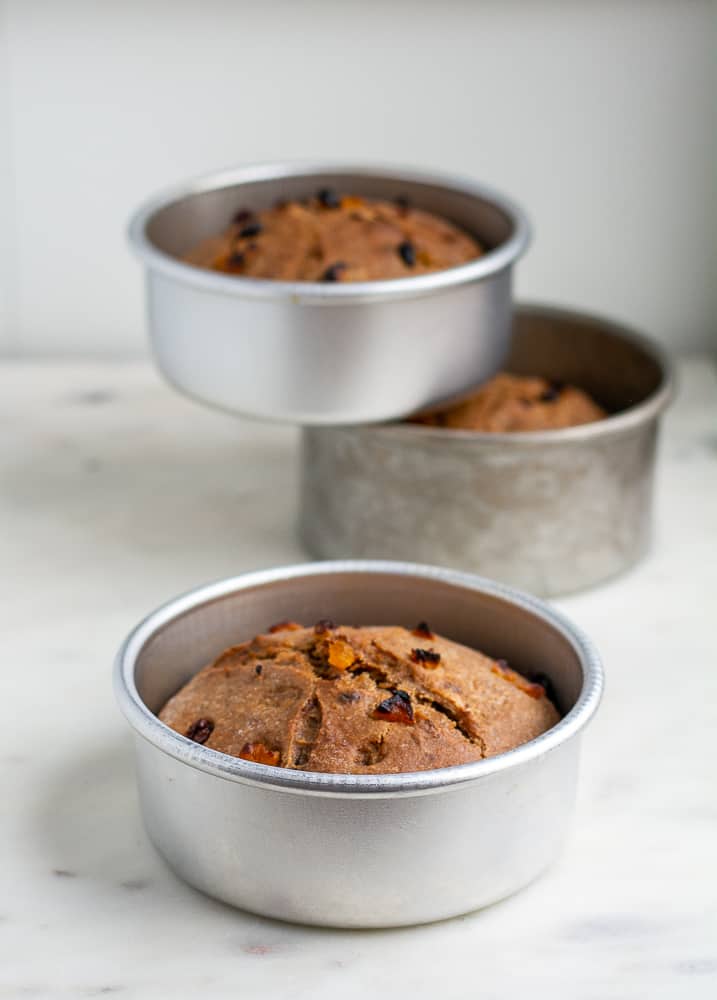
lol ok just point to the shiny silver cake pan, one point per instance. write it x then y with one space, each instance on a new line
356 850
317 353
552 511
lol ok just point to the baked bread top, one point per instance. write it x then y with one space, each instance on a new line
370 700
334 238
519 403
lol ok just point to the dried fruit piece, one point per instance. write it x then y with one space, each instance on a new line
403 204
341 654
323 625
200 731
351 202
397 708
253 229
260 754
546 684
235 260
286 626
501 668
426 657
258 669
334 272
550 394
407 253
242 216
423 631
328 198
534 690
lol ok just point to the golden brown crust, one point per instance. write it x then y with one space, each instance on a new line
371 700
351 239
519 403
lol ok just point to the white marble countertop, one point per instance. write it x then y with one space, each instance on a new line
116 494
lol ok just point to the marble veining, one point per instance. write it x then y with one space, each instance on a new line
115 494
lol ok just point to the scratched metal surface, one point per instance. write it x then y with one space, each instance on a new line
552 512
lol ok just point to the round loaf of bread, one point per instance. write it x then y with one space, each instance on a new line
371 700
519 403
336 238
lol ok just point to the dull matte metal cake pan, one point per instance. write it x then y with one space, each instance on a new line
317 353
356 850
550 511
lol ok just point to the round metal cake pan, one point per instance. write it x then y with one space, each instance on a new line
356 850
318 353
551 511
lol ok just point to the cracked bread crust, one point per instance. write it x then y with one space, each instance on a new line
346 700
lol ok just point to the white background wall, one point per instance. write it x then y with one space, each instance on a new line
598 116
